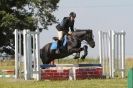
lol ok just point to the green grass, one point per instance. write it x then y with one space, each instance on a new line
7 64
75 61
88 83
95 83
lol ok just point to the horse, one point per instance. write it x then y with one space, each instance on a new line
73 46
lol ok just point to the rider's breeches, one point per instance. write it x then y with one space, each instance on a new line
60 35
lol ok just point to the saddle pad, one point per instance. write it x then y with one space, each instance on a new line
53 45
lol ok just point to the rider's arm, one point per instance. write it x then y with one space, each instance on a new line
72 27
64 22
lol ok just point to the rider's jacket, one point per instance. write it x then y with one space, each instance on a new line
65 24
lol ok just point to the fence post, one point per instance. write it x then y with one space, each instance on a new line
123 54
26 68
113 53
110 53
100 48
37 55
16 54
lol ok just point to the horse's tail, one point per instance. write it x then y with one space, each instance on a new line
44 54
41 54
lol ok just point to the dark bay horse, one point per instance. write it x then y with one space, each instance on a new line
73 46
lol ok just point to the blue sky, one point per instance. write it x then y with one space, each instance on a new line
96 15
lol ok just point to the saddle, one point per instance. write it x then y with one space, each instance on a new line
55 40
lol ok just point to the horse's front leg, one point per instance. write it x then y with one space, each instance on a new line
85 48
77 51
77 55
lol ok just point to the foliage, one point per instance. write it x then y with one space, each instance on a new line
24 14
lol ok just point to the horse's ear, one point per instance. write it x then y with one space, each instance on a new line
89 30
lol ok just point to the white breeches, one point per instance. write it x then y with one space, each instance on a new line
60 34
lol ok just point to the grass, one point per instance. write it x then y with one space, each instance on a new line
95 83
75 61
7 64
88 83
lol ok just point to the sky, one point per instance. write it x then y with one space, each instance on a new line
97 15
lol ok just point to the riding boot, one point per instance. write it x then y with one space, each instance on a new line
58 47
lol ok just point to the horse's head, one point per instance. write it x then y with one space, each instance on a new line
89 38
86 35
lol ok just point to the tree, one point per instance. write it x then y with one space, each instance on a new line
24 14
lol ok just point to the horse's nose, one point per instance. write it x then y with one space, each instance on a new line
93 44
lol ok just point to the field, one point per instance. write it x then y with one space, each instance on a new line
97 83
88 83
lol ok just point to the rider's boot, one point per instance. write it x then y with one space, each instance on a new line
58 47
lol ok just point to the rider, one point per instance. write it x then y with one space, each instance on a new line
63 28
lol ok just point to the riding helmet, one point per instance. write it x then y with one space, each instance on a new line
72 14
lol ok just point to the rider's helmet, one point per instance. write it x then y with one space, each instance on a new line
72 14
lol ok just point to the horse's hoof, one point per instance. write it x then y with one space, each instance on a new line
83 57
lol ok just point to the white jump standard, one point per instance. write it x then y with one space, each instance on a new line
30 54
112 52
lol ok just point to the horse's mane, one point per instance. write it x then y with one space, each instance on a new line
79 30
84 30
